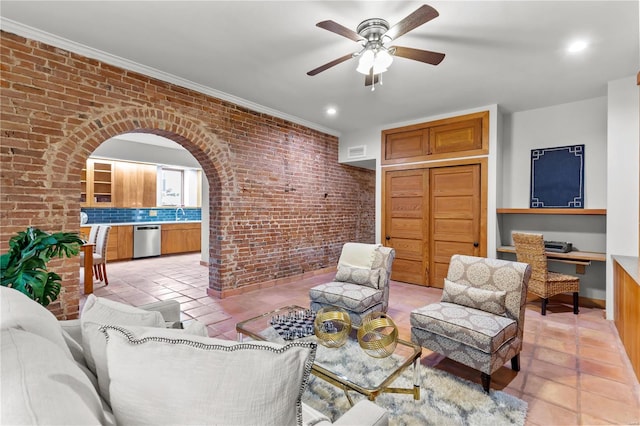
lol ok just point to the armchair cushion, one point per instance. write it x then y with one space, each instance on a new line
354 297
492 301
19 311
471 327
358 254
42 385
361 276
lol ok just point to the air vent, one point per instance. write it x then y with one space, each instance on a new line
357 151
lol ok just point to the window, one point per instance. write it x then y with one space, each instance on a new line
171 187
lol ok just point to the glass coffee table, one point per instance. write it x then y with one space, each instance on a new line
348 367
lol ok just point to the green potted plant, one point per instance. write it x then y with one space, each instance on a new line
24 267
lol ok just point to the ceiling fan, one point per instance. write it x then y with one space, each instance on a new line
373 33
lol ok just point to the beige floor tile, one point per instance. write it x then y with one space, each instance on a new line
570 364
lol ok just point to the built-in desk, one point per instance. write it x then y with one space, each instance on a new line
580 258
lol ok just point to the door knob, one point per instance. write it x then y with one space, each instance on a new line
475 244
387 237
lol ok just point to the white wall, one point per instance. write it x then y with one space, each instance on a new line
575 123
623 134
145 153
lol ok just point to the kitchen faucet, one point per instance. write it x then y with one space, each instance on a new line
184 215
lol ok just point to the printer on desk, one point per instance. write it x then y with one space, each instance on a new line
558 246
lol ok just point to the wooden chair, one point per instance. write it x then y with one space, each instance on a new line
543 283
100 255
93 236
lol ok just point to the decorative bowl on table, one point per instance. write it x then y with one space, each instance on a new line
378 335
332 326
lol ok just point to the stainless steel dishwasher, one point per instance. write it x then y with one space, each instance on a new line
146 240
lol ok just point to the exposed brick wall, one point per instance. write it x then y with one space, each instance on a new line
280 202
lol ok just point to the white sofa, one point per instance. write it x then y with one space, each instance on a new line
121 365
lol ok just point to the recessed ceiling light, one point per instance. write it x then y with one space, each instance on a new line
577 46
331 111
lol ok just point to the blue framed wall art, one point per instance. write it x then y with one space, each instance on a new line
557 177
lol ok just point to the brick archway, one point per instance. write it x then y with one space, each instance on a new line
204 145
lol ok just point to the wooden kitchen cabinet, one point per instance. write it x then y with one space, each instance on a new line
97 184
180 238
119 244
135 185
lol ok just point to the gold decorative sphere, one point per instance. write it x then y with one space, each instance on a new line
378 335
332 326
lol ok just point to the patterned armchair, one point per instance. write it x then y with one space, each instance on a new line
361 284
480 320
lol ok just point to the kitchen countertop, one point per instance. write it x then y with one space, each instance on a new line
157 222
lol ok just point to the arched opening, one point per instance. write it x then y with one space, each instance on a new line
149 189
193 136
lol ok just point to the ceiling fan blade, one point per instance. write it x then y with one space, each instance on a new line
423 14
371 79
427 56
334 27
330 64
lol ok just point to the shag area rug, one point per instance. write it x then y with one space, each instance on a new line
444 399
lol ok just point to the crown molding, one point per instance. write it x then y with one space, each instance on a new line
20 29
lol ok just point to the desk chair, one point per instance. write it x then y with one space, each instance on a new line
543 283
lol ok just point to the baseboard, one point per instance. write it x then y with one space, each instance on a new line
221 294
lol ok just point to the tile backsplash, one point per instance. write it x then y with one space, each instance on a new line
122 215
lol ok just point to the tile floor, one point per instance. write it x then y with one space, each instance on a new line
573 367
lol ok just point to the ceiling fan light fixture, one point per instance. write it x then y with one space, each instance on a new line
379 58
382 61
366 61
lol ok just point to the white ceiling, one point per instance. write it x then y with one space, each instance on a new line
257 53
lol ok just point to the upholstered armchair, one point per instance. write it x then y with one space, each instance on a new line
361 284
480 320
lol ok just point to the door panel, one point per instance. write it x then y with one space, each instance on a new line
406 145
408 249
406 228
455 216
405 225
456 137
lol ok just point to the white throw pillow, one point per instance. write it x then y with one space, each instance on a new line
42 385
100 311
21 312
158 380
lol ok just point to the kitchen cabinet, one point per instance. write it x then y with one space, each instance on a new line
119 244
180 238
97 184
135 185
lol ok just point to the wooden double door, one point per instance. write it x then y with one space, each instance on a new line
431 214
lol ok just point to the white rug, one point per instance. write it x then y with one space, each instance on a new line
444 399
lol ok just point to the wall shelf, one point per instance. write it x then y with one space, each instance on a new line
597 212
